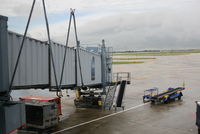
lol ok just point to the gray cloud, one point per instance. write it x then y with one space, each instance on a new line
150 30
124 24
130 31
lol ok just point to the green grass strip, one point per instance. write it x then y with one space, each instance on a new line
132 62
162 53
134 58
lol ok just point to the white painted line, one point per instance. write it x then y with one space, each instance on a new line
113 114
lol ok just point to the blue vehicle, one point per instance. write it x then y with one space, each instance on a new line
153 95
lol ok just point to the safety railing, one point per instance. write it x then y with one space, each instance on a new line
119 76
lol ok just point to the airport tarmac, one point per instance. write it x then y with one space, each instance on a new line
177 117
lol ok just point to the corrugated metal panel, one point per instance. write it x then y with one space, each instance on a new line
69 70
33 64
86 67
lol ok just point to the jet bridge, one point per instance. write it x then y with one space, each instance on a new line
27 63
83 69
35 69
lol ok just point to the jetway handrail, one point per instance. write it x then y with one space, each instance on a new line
119 76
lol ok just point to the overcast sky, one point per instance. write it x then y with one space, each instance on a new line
124 24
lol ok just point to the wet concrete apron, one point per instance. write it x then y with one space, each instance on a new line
177 117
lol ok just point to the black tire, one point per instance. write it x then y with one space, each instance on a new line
152 101
198 130
179 97
167 101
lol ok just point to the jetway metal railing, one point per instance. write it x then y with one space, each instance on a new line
119 76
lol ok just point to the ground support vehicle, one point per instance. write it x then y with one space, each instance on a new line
153 95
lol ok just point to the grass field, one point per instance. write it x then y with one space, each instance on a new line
162 53
146 58
128 62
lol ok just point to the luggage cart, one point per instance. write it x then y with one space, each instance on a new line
153 95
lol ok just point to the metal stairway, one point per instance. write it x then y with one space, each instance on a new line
110 94
121 80
120 95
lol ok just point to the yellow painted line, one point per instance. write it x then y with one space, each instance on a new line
94 120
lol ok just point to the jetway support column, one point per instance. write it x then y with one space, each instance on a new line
12 113
103 65
4 71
